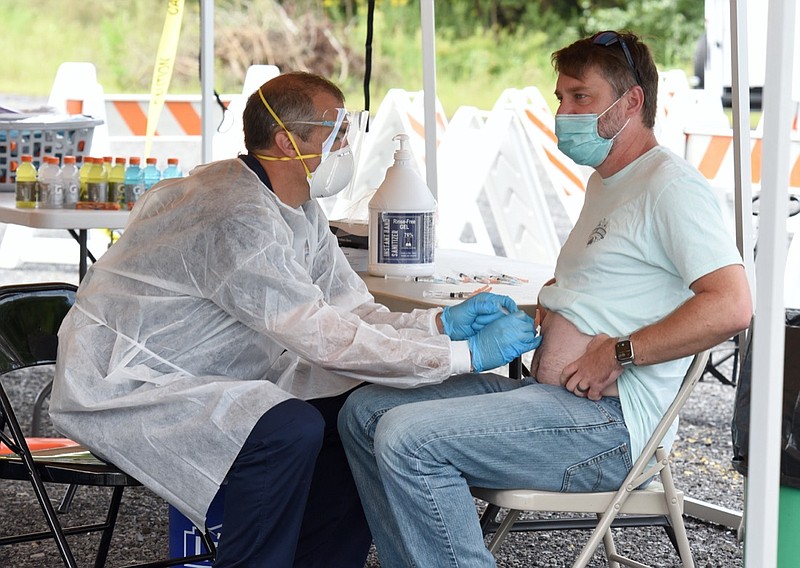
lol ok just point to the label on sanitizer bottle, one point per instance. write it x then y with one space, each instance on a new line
405 238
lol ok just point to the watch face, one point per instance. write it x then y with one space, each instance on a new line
624 351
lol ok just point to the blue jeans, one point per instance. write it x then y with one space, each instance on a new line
414 454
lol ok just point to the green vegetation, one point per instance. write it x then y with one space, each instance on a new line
482 46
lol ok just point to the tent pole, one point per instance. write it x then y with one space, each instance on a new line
743 191
761 529
429 92
206 78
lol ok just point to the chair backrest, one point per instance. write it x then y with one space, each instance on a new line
30 315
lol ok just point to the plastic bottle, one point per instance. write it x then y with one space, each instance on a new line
108 163
51 193
134 181
69 176
26 183
152 175
88 162
402 218
97 183
172 170
116 182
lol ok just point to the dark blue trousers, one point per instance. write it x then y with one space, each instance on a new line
335 533
290 499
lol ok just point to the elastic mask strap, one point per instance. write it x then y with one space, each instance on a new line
621 129
286 158
599 115
291 139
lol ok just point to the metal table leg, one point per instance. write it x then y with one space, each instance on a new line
81 236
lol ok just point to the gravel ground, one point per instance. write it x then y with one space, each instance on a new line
701 463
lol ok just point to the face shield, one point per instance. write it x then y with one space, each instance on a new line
340 151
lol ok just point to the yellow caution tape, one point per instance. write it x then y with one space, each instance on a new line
162 72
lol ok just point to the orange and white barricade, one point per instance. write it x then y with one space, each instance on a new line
711 152
126 115
491 196
463 163
178 133
76 90
518 196
565 178
795 118
688 109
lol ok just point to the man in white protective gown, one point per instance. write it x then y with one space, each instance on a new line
218 338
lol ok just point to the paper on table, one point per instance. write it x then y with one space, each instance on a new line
352 226
358 258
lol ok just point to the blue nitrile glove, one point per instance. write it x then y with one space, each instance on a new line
502 341
473 314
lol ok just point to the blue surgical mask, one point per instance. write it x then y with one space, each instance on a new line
579 139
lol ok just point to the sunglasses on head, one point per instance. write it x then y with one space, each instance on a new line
610 38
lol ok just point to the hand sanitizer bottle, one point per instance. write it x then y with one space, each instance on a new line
402 220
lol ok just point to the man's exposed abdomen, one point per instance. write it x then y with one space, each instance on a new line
562 344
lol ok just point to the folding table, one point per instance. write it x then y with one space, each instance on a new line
76 221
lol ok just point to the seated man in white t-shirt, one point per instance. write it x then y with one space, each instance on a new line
648 276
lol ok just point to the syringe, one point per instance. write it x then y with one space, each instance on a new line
434 279
447 295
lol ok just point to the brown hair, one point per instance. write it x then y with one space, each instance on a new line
610 61
291 97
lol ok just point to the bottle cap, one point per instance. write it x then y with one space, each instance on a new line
172 161
108 159
152 160
26 158
135 160
119 160
69 159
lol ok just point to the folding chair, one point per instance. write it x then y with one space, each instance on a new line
30 315
657 504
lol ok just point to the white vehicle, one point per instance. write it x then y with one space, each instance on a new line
713 57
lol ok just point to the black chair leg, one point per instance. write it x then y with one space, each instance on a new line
108 531
489 517
66 500
712 365
51 518
671 535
